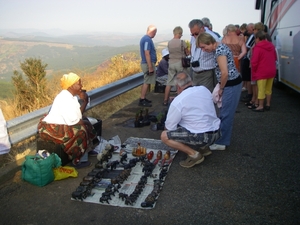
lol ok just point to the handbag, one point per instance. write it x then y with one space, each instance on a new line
186 61
38 170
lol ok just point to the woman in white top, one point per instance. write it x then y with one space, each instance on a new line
64 124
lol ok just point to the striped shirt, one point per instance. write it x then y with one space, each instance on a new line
206 59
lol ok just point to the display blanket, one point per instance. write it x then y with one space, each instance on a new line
142 183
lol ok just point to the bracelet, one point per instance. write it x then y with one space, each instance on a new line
222 89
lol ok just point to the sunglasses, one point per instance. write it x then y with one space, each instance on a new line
195 34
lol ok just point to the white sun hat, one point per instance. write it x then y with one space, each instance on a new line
164 52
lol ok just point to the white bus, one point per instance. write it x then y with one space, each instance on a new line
283 20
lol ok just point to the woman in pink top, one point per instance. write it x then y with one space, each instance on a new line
236 44
263 68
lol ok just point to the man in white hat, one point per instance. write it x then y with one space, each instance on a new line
162 72
162 68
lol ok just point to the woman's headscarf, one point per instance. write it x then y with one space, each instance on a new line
68 80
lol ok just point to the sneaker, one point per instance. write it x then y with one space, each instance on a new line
165 103
81 165
93 153
190 162
144 103
147 100
205 151
217 147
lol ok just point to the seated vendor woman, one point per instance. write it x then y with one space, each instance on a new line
64 123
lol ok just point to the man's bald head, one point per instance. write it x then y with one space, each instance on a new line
151 31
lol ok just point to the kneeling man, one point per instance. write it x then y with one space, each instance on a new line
191 120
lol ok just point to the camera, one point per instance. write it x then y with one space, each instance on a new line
195 64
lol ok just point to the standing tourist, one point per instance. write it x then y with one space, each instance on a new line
203 63
263 66
230 86
235 43
177 50
253 103
245 65
149 58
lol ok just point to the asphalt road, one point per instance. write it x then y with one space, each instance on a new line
256 180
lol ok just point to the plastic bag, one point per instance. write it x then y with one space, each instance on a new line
38 171
64 172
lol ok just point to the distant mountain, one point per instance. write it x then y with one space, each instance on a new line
81 39
65 51
58 56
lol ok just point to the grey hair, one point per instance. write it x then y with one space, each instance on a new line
196 22
206 21
182 79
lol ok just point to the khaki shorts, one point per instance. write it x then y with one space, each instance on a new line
148 79
174 68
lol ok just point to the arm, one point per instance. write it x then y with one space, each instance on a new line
222 62
254 60
243 50
187 51
173 118
84 99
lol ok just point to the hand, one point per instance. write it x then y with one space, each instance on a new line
84 96
220 92
150 73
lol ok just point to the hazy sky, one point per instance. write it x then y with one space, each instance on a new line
127 16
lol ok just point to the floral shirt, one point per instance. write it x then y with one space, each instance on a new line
233 73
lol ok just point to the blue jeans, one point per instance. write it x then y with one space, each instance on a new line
230 99
85 157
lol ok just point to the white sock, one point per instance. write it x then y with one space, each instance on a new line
195 155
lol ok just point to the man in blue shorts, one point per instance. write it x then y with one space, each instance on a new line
149 58
191 120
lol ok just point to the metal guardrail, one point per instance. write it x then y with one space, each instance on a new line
25 126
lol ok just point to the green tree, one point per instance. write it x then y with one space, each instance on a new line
30 93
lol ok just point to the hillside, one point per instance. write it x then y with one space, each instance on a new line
58 56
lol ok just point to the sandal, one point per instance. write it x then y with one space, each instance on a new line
249 103
253 106
267 107
258 110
